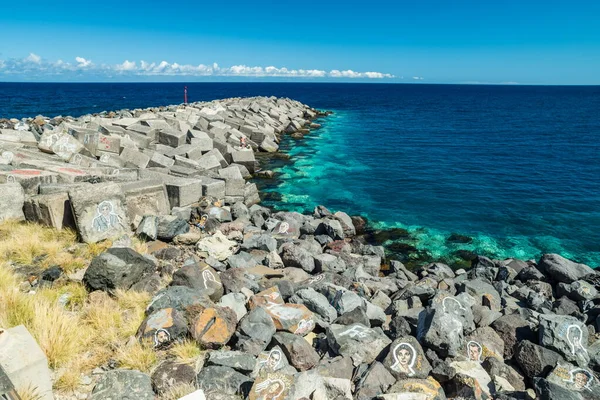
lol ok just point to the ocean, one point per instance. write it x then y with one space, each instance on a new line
514 168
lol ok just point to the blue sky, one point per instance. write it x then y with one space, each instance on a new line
421 41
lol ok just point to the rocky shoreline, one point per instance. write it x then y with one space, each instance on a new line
282 305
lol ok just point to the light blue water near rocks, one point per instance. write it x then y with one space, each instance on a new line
516 168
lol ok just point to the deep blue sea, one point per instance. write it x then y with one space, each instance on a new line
517 168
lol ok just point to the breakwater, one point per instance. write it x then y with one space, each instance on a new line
284 304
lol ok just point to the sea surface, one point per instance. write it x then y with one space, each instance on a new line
515 168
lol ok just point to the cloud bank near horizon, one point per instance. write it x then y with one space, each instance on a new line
35 66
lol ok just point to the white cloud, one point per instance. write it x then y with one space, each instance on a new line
34 58
126 66
33 66
82 62
417 78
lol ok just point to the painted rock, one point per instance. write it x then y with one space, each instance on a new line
213 327
163 327
272 385
406 359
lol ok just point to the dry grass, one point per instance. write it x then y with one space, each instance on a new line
186 351
76 331
177 392
29 394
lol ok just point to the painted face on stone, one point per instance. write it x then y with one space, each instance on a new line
105 210
404 357
581 380
474 350
161 337
274 359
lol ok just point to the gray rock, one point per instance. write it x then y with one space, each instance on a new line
566 335
316 303
123 384
236 302
375 381
360 343
338 367
258 324
170 374
440 270
219 380
241 260
117 268
441 331
298 351
170 226
495 368
483 292
562 270
241 362
406 359
535 360
260 242
273 360
148 228
329 263
295 256
332 228
357 315
413 389
551 391
513 329
163 327
179 298
219 213
201 277
12 199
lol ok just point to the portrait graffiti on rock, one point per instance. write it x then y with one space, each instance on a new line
357 331
106 219
405 357
574 335
207 276
581 379
161 337
451 305
272 361
474 351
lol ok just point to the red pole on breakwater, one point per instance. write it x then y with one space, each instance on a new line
185 94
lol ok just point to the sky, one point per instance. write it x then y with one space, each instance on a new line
417 41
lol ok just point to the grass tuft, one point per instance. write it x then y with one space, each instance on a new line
187 351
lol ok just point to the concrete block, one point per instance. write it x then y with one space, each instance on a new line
71 174
145 197
109 144
219 157
182 192
52 210
209 162
212 187
112 159
100 212
24 362
172 137
12 198
29 179
246 158
134 158
159 160
235 187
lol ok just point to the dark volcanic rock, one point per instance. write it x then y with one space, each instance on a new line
123 384
562 270
117 268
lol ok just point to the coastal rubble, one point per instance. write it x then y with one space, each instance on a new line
284 305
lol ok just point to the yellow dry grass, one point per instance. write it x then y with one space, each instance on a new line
77 331
178 391
186 351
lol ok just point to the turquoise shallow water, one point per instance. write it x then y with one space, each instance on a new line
518 188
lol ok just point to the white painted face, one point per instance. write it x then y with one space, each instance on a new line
405 357
283 228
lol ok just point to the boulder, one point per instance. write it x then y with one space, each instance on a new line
199 276
180 298
565 335
170 374
298 351
406 359
217 246
217 380
213 327
560 269
117 268
239 361
163 327
123 384
170 226
356 341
